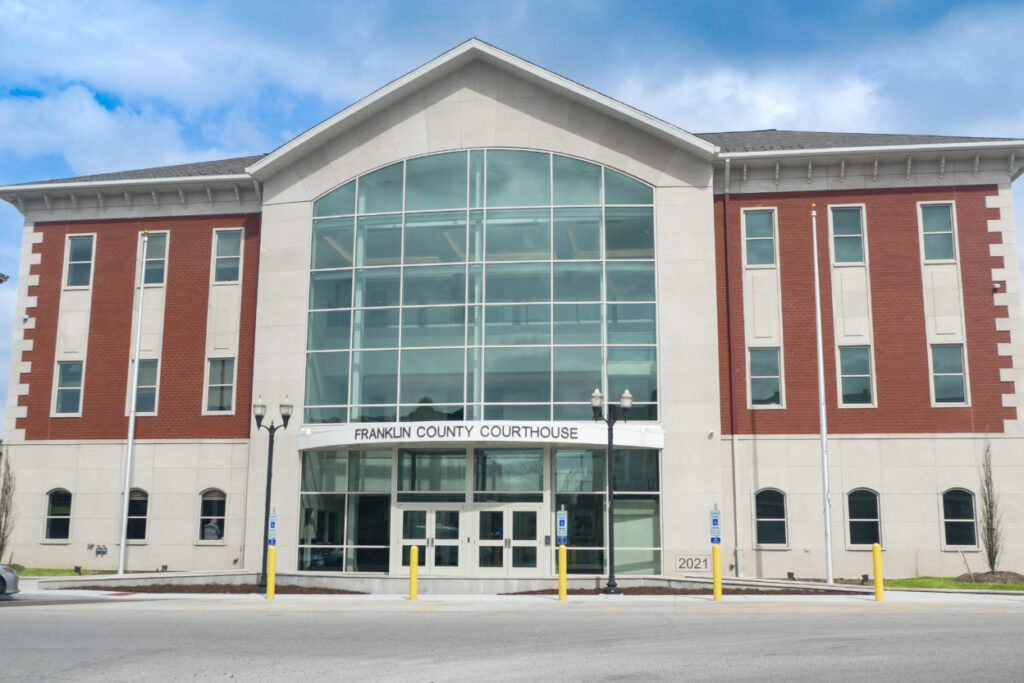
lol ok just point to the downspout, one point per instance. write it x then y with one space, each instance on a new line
732 378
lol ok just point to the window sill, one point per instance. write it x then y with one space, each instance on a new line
849 264
861 548
778 407
225 282
59 415
56 541
857 406
137 541
951 405
218 413
961 549
211 542
772 547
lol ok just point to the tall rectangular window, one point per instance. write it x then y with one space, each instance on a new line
855 373
948 373
69 388
155 258
145 394
80 254
759 235
765 377
221 385
847 235
937 224
227 255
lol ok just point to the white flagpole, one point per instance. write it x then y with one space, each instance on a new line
821 401
131 412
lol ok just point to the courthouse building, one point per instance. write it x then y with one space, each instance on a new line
440 275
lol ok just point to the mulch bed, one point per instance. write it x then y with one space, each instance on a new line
991 577
216 588
662 590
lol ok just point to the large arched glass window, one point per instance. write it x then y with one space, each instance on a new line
138 509
862 505
58 514
488 284
958 517
212 509
770 506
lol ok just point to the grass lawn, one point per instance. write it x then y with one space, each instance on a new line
946 582
52 571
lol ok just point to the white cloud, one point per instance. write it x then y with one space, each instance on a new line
71 123
726 99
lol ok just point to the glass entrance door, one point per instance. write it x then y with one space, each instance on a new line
435 530
509 540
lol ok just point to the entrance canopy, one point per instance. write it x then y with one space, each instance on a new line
451 432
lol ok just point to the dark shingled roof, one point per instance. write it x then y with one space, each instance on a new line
776 140
195 170
737 141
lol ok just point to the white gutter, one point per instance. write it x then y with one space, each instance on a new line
132 182
874 150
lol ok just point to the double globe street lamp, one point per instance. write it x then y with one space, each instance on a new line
597 403
259 410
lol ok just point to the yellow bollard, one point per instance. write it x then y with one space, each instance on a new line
876 556
414 571
716 570
271 570
562 587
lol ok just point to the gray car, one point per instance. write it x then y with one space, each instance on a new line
8 580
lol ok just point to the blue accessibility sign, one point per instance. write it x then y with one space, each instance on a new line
717 540
272 541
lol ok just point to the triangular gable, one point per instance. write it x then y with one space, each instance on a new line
465 53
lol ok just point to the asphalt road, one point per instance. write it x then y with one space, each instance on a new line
929 637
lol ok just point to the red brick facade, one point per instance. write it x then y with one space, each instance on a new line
902 375
182 366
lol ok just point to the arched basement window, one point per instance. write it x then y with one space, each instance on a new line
958 517
770 506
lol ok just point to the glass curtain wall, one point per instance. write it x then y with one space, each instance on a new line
581 490
488 284
345 511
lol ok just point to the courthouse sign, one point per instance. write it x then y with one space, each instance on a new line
636 435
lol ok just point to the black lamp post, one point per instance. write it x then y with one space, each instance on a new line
259 409
597 402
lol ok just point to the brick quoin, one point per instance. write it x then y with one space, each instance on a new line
902 374
182 365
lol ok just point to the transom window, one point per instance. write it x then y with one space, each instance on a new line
855 372
958 517
937 225
489 284
770 509
948 373
759 229
80 253
155 258
847 234
58 514
765 377
227 260
862 505
138 509
69 388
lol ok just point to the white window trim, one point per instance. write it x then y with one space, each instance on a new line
156 398
775 236
145 539
213 257
782 380
863 236
839 378
951 203
931 376
47 516
223 540
206 386
846 508
67 262
977 547
785 520
56 383
142 259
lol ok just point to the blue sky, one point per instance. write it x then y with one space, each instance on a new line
98 86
